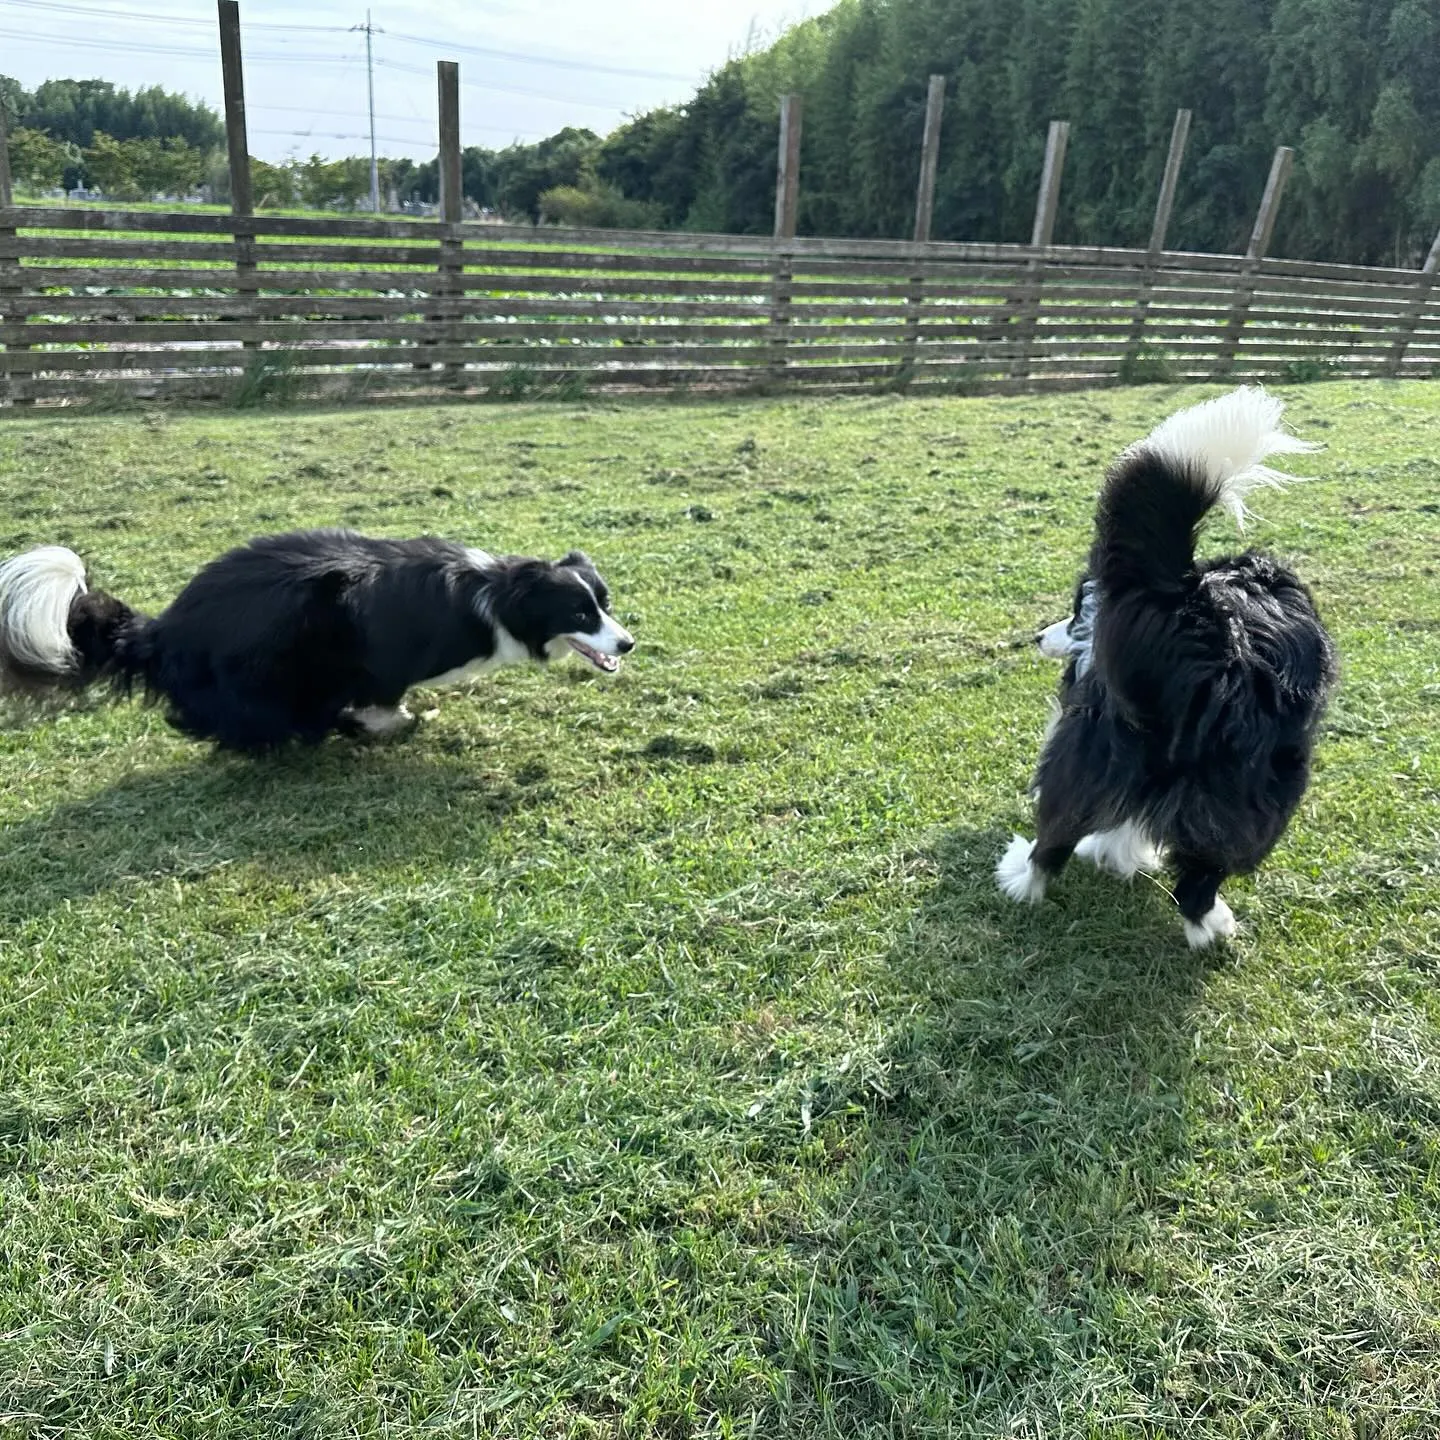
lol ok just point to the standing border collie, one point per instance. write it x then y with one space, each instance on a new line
291 637
1190 703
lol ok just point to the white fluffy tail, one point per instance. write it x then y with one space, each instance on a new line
1230 439
36 592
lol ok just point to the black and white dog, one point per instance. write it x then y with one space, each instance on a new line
294 636
1193 691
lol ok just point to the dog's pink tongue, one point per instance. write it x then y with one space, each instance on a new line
608 663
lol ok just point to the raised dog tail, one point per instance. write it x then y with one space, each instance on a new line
56 634
1158 492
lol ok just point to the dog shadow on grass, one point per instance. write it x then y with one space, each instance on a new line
1014 1153
299 813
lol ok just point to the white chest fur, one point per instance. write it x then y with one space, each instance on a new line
508 651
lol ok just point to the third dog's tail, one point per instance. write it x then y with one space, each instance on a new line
57 634
1159 491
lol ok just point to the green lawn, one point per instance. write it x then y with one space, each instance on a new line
654 1057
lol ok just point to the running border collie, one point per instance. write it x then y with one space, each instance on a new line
292 637
1193 691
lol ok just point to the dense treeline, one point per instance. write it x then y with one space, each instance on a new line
71 111
1353 85
89 132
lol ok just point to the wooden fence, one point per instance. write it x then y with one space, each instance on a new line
100 303
197 305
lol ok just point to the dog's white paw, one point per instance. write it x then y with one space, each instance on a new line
1218 923
1124 851
380 721
1016 876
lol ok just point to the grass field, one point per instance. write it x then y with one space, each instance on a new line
654 1057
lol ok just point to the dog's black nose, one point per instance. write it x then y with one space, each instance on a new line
625 646
1040 638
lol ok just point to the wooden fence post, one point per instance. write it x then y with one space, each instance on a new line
1047 205
787 179
787 204
6 198
929 159
1424 284
1248 278
1164 206
451 284
924 217
11 313
242 195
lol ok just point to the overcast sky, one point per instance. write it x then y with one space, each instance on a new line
526 69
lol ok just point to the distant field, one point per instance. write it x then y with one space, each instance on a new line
654 1057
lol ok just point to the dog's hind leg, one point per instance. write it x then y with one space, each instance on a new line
1197 892
1071 802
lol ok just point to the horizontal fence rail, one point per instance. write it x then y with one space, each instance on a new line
100 303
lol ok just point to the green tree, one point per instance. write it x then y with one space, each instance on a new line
74 110
524 172
142 169
12 100
1354 85
165 167
37 160
596 205
110 166
272 185
322 184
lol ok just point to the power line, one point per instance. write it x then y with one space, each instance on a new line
141 47
90 12
339 135
65 7
431 145
525 57
492 89
538 59
310 110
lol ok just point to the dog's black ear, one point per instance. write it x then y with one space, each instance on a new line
576 560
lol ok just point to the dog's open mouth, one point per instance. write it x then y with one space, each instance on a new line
608 663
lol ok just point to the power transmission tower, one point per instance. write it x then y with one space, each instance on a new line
371 30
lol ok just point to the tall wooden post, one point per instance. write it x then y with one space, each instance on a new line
1247 279
242 195
787 182
929 159
1264 229
9 269
451 280
447 74
1047 206
787 205
6 198
924 217
1424 285
1164 208
1165 205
